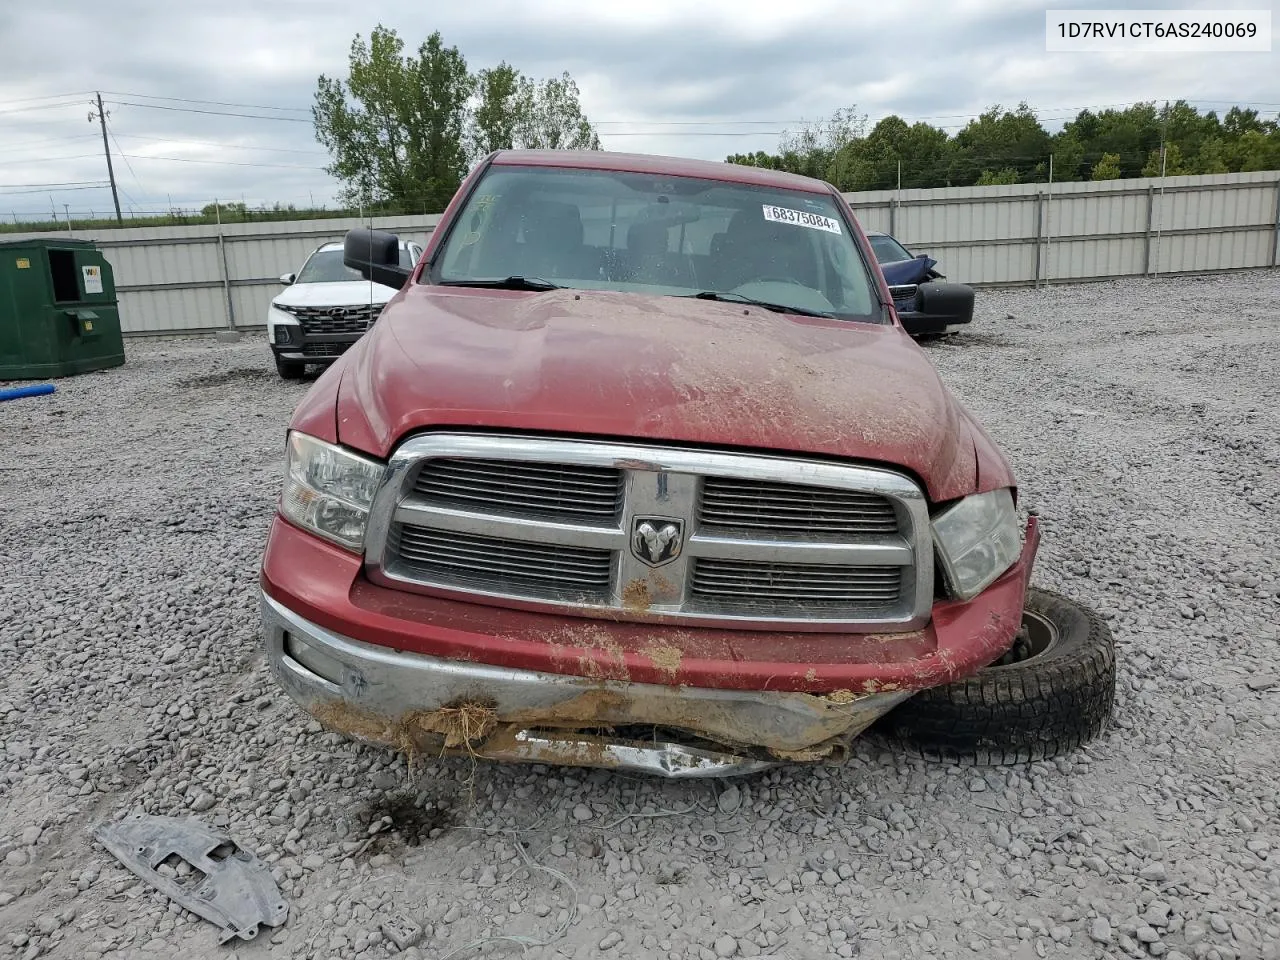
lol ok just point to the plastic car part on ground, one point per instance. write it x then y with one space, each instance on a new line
224 883
36 390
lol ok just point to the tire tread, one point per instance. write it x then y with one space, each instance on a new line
1035 710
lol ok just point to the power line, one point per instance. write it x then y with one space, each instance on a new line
221 146
226 163
212 113
47 96
61 188
82 156
213 103
14 147
127 164
42 106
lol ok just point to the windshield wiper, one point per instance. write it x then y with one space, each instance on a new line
506 283
726 297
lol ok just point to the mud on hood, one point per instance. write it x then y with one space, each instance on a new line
657 369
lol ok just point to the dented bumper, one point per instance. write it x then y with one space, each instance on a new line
429 704
428 675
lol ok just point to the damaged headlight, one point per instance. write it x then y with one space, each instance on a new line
328 490
977 540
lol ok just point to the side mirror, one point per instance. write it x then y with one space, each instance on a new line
376 256
288 278
953 301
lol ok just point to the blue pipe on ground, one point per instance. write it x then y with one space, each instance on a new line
17 393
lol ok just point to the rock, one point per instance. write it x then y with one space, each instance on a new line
16 858
172 653
725 946
202 801
1100 930
1157 913
1219 923
1144 934
1154 871
31 836
977 785
582 813
1194 932
402 930
47 923
730 799
610 940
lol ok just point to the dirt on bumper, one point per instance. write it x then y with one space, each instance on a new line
429 706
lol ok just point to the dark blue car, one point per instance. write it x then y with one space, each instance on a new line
924 306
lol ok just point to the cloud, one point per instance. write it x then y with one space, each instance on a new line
659 77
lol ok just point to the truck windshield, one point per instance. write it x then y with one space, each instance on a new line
888 250
653 234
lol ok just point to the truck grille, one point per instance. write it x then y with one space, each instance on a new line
508 566
355 318
753 585
539 490
630 532
904 295
791 509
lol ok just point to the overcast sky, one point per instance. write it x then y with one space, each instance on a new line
663 76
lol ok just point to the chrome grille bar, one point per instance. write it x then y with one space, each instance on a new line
519 566
553 491
639 532
730 504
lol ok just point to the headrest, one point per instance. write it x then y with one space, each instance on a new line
647 239
559 223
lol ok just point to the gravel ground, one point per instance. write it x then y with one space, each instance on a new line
1142 420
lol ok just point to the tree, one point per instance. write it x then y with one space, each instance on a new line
1172 164
401 142
999 139
503 96
872 162
1130 135
553 118
990 178
1260 151
1107 168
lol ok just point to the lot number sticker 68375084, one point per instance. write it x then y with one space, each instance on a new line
814 221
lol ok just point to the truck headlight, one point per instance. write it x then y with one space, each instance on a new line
328 490
977 540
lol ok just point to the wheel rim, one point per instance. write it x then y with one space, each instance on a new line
1037 636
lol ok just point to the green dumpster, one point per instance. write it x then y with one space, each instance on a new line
58 313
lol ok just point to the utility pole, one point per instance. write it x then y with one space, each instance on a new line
101 117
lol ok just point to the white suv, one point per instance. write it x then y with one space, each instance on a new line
325 308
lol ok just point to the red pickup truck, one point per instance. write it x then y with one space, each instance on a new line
640 470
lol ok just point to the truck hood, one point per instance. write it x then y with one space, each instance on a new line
337 294
655 369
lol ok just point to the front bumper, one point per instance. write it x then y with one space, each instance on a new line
406 700
397 668
289 341
918 324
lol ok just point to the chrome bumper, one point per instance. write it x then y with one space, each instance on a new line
380 695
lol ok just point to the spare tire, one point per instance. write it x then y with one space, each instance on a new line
1049 695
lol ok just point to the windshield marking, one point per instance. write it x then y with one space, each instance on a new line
799 218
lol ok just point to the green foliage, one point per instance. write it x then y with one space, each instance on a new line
1107 167
991 178
999 139
1173 164
403 129
1011 146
